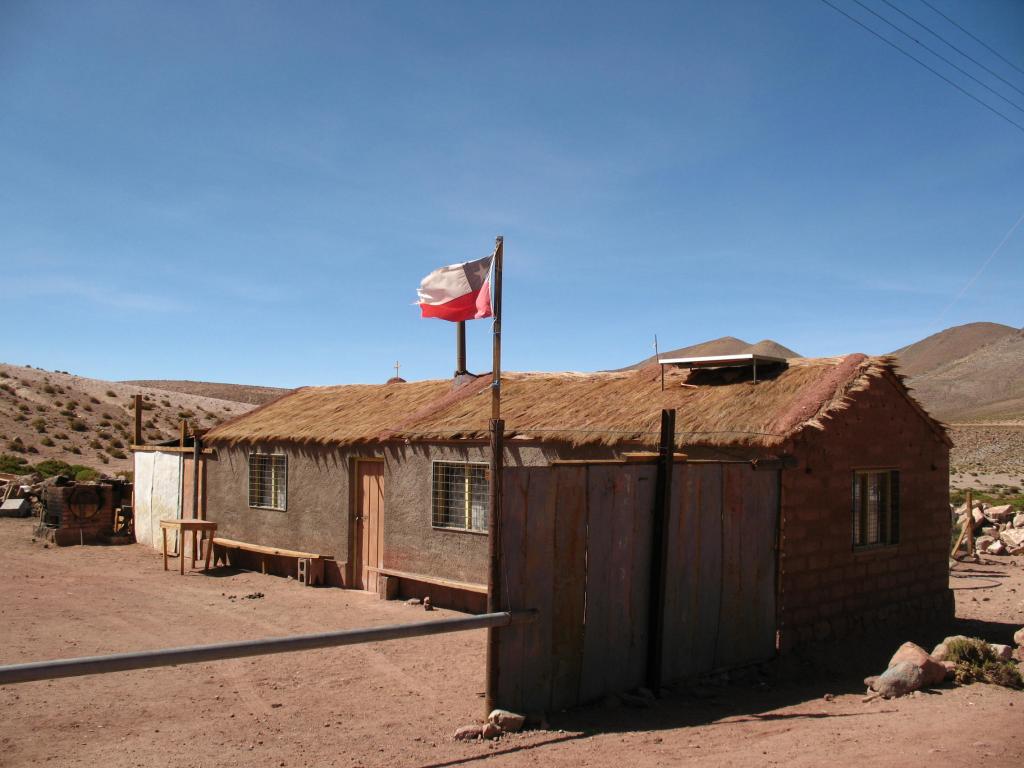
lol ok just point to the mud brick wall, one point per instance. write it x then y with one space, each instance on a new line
78 530
826 587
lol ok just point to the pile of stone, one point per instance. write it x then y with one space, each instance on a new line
498 722
912 668
998 529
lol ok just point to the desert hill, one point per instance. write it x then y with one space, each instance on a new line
946 346
236 393
89 422
987 383
726 345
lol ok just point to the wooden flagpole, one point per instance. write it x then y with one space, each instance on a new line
497 433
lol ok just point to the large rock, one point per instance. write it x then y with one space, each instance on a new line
900 679
932 672
996 548
1000 514
469 733
1012 537
507 721
1018 636
1001 652
940 652
982 543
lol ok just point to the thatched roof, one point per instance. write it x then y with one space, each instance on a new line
713 408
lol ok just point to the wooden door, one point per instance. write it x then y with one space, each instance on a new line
369 524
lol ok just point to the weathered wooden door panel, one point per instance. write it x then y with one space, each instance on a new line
369 524
746 631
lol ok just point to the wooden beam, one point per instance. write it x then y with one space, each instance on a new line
138 420
171 449
467 586
263 550
659 549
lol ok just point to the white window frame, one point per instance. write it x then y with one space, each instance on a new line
436 494
275 481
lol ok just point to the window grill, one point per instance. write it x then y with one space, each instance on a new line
875 507
459 496
268 480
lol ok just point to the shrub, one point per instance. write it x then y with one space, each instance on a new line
117 453
49 389
111 393
14 465
148 424
103 435
86 475
185 414
87 407
58 403
165 403
7 388
94 443
39 423
67 413
976 663
74 449
52 467
94 400
78 425
40 409
4 375
155 436
47 441
104 423
31 449
21 417
103 458
148 406
116 443
126 474
61 435
24 408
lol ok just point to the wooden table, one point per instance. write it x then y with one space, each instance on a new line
204 527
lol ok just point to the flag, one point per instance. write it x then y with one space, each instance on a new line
457 292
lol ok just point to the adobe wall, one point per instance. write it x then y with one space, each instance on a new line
411 543
828 589
318 506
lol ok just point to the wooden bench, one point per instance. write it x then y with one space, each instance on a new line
310 565
466 586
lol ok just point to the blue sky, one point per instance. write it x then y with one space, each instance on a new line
251 191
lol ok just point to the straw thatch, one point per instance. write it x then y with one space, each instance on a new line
713 409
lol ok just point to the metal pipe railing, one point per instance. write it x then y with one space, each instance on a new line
169 657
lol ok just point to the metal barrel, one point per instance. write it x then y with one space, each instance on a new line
194 654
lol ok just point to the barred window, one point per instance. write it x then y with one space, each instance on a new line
459 496
268 480
876 507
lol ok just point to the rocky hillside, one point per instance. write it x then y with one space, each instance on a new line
726 345
946 346
987 383
89 422
236 393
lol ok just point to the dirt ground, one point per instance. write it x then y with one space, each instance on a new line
397 703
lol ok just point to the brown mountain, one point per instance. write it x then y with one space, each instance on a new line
946 346
236 393
726 345
987 383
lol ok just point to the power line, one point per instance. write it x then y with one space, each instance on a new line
982 43
938 55
963 53
935 72
981 269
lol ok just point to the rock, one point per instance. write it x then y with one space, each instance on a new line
932 672
996 548
1018 636
413 601
870 681
1019 654
982 543
490 731
427 605
990 530
1018 520
940 652
1001 514
951 638
900 680
1012 537
469 732
1002 652
950 668
507 721
979 516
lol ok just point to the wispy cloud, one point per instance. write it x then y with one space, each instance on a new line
113 296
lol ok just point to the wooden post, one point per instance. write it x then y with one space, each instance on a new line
196 455
499 255
494 585
182 433
659 549
969 524
138 421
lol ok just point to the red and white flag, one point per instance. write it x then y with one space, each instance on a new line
457 292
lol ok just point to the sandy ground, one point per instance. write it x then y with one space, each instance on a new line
397 703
